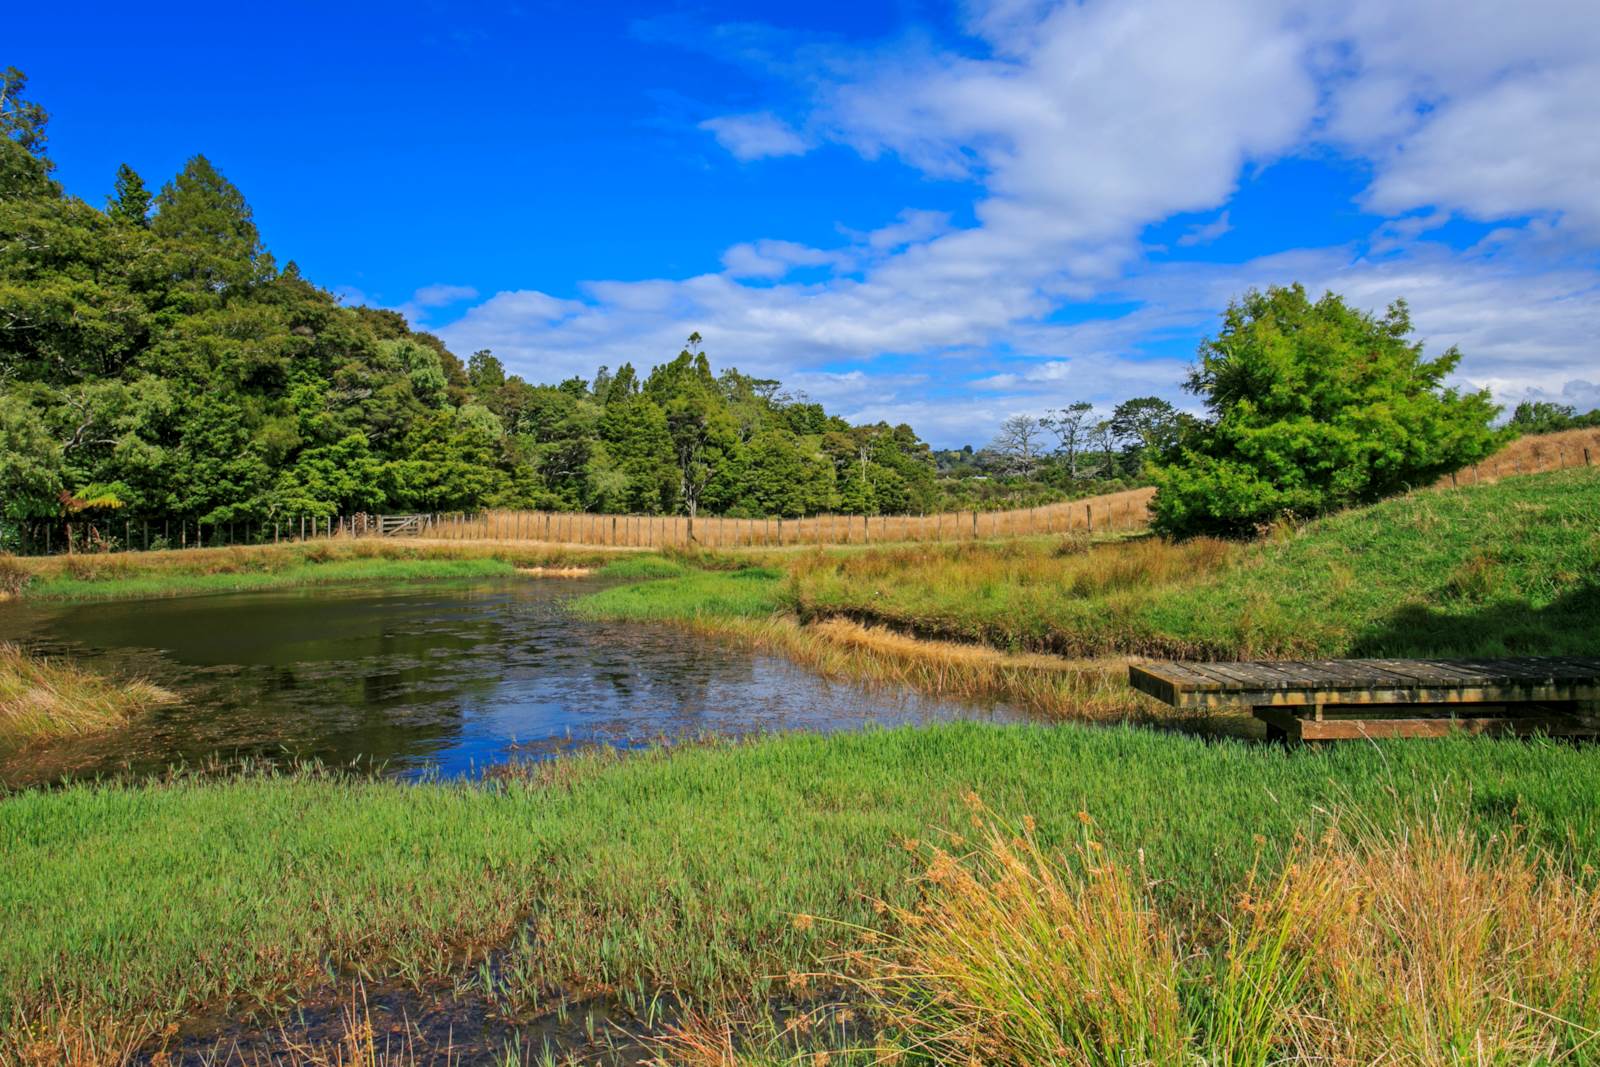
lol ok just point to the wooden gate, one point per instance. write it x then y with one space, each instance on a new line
401 525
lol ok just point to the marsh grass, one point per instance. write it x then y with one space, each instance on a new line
44 698
126 908
751 606
1422 943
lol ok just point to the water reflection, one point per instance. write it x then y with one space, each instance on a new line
440 677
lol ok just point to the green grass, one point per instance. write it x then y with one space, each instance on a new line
747 593
1503 569
125 906
65 587
137 575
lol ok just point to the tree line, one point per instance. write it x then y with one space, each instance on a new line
156 361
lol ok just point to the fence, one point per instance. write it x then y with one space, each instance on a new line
1127 510
1534 454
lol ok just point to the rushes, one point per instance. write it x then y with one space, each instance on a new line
1423 945
41 698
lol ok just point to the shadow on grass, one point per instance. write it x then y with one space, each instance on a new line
1567 626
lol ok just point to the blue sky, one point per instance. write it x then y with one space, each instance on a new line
937 214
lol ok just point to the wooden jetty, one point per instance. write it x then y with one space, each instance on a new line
1330 700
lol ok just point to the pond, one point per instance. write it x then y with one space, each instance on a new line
434 678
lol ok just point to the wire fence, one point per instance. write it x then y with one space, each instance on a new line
1534 454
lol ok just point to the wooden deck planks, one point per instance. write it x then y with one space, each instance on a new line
1370 681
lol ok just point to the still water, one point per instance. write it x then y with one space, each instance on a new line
422 679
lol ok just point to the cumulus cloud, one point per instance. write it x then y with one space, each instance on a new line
1078 125
756 136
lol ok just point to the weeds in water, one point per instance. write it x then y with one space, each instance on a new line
42 698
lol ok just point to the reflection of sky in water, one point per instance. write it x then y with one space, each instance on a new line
439 676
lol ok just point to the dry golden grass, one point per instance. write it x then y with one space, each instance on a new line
41 698
1533 454
1060 688
1427 946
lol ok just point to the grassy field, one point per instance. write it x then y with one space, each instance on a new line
136 575
41 699
713 872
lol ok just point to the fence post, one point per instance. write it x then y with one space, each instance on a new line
1586 462
1088 514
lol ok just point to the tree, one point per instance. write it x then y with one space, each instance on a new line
639 444
130 201
487 375
30 463
205 216
1541 416
1020 444
1144 425
1071 426
1313 406
24 167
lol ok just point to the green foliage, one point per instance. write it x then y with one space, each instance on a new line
130 202
1314 407
1540 416
156 349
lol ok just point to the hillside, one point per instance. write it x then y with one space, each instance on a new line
1496 569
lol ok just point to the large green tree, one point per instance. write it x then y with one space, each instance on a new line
1314 405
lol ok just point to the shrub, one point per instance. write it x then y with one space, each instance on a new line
1314 407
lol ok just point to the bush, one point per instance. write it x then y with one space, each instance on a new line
1314 407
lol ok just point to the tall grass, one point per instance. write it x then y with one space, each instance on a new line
1423 943
42 698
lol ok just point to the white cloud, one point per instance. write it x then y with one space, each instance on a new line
440 295
1206 232
773 259
1080 124
756 136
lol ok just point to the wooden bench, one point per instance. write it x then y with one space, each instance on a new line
1329 700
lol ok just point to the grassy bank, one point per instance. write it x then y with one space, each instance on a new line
41 699
1508 568
136 575
695 871
1493 570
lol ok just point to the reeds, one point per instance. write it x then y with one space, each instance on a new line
1095 690
42 698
